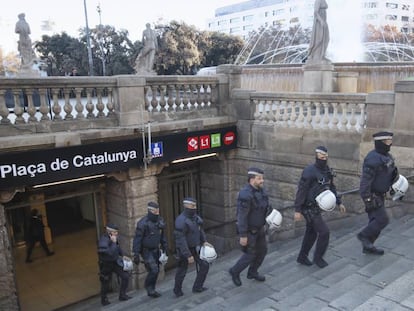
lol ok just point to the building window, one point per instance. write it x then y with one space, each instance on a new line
247 18
235 20
405 18
371 16
266 14
278 12
294 20
405 7
370 5
404 30
391 5
222 23
391 17
279 22
248 27
234 29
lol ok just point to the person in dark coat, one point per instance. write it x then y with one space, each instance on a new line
378 174
315 179
189 237
252 208
36 233
110 257
149 237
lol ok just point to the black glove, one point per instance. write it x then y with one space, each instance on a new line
136 260
369 205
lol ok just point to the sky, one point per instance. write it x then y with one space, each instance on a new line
132 15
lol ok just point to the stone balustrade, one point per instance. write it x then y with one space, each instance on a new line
342 112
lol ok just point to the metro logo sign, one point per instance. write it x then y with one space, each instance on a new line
204 142
229 138
192 143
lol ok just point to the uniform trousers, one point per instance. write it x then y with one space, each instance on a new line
253 254
201 266
377 220
152 266
316 230
106 269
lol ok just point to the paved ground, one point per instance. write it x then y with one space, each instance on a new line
352 281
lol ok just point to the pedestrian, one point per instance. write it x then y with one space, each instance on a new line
316 178
378 174
149 237
189 237
110 253
36 233
252 208
74 72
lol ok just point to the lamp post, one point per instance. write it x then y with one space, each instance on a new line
100 39
88 41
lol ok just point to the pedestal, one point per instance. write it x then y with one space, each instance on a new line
318 78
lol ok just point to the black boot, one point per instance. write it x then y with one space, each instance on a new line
304 260
105 301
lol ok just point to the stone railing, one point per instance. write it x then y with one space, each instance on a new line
62 103
343 112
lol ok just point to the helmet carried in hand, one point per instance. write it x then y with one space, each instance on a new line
127 263
399 188
274 219
326 200
163 258
208 253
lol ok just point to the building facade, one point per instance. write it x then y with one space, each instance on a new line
242 18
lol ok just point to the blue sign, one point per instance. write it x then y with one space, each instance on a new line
156 149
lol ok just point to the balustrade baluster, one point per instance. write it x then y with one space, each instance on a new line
325 119
18 109
186 97
206 96
163 103
100 105
344 119
256 114
154 101
335 119
177 101
55 106
44 105
213 94
31 109
278 116
170 99
318 118
199 102
361 121
285 114
90 107
78 106
147 102
352 119
4 111
193 98
110 105
308 118
67 107
293 115
301 116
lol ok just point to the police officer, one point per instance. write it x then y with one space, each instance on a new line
149 237
252 208
189 237
110 253
378 174
315 179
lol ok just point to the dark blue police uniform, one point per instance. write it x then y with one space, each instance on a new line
252 208
315 179
378 174
189 237
149 237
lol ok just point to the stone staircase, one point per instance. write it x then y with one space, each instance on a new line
352 281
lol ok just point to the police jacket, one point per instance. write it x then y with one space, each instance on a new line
314 180
149 235
252 208
188 233
378 174
108 251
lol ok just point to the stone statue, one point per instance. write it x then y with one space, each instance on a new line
320 34
145 60
25 43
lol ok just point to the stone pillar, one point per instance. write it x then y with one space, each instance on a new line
8 289
229 79
318 78
131 110
404 102
347 82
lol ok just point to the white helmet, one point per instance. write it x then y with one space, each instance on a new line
326 200
127 263
208 253
274 219
400 187
163 258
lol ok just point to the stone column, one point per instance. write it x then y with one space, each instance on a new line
318 78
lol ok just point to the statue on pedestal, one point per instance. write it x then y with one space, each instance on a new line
145 60
320 34
25 43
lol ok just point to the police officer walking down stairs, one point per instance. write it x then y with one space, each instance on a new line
316 193
252 208
378 175
189 237
110 254
149 237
